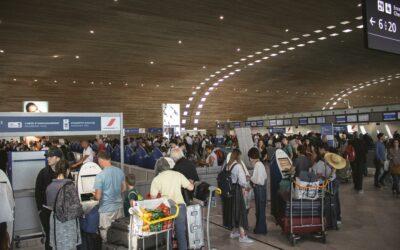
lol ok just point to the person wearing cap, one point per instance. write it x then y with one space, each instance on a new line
109 186
43 180
168 183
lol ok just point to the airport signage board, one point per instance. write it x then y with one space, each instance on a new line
303 121
155 130
351 118
328 131
23 124
272 123
363 117
390 116
132 131
236 124
287 122
382 25
311 120
340 119
247 124
320 120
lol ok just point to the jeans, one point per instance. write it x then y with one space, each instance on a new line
44 216
180 228
378 167
260 195
395 186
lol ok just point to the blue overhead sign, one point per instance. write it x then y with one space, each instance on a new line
303 121
327 130
132 131
389 116
21 124
155 130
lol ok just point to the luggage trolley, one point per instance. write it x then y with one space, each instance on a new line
137 233
306 210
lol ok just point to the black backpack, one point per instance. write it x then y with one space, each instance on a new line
224 180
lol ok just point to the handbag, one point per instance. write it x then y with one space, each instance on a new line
306 190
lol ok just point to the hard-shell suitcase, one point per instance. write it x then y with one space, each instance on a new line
195 226
118 235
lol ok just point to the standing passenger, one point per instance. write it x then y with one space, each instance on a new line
109 185
260 191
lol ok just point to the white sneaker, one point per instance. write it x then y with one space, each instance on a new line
339 222
245 239
235 235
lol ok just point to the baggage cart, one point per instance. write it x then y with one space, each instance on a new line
139 236
305 214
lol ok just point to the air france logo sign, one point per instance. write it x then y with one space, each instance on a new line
110 123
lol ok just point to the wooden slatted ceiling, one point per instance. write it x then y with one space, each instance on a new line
128 35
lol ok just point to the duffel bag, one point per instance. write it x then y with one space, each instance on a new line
306 190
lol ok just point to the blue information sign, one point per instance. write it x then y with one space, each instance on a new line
247 124
132 131
389 116
303 121
155 130
277 130
328 132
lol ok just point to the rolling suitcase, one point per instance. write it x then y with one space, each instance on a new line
313 222
195 226
330 212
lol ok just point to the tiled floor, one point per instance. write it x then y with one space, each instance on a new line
370 221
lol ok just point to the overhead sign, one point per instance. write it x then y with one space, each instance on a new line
341 119
131 131
328 132
381 20
28 124
111 123
389 116
303 121
236 124
321 120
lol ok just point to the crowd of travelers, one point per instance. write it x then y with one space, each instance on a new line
115 191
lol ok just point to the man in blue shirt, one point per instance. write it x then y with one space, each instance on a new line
109 186
380 157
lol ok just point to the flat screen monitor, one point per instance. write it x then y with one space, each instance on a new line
311 120
87 182
363 118
303 121
279 122
389 116
381 25
287 122
351 118
320 120
341 119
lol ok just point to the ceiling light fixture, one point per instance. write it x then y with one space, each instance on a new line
221 17
331 27
347 30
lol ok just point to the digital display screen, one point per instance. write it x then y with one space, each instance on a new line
303 121
352 118
311 120
320 120
287 122
279 122
363 118
341 119
381 20
35 107
390 116
272 122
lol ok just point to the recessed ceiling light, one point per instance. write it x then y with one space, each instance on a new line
194 93
286 30
35 80
207 93
200 106
185 113
190 99
142 85
267 49
183 121
92 83
238 49
91 31
215 84
250 64
285 42
250 56
126 84
344 22
359 5
358 18
291 48
243 59
360 26
301 45
14 79
347 30
196 121
322 38
212 76
198 87
306 35
265 57
55 81
229 66
152 62
295 38
203 99
223 69
76 57
317 31
1 51
180 42
157 85
55 56
204 67
110 83
257 61
258 53
221 17
334 34
282 51
311 41
73 81
273 54
330 107
187 106
331 27
275 46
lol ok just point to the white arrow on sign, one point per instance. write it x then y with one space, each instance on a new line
371 21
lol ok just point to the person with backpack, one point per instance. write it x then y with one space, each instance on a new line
234 207
63 200
258 181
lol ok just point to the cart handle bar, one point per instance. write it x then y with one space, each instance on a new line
171 217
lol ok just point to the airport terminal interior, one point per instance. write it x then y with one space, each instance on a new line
199 124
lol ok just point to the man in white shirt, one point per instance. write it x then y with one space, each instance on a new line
87 155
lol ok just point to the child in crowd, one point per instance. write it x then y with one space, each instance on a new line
131 195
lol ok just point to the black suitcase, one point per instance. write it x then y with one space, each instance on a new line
118 235
330 213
